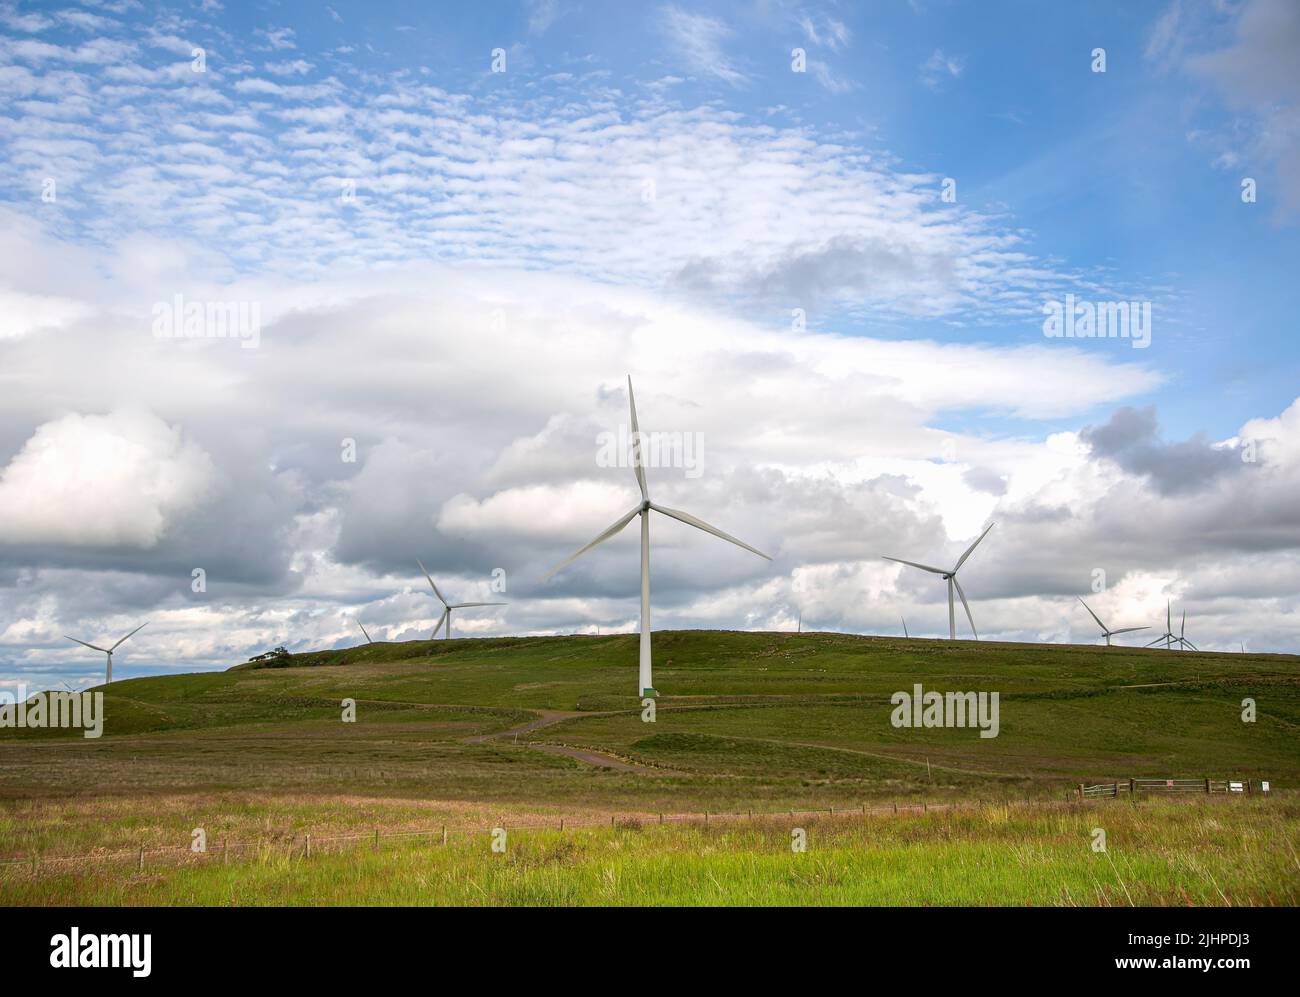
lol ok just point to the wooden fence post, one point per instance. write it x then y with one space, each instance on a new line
142 858
561 823
1132 788
376 839
1207 783
1081 791
306 850
444 834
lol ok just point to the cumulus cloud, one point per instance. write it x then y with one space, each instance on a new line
101 480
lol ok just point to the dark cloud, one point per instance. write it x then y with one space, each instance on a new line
1131 439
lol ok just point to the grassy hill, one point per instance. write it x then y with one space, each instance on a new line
472 732
760 711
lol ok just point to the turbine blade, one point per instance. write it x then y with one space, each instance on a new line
1129 630
923 567
636 443
1155 642
599 540
431 585
1188 643
1183 629
438 626
966 606
971 548
102 650
1096 617
700 524
363 630
131 634
467 605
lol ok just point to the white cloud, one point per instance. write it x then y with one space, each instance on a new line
696 40
111 480
940 68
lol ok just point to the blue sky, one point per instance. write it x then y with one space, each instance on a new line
1110 173
647 189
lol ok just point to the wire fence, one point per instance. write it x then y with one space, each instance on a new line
304 845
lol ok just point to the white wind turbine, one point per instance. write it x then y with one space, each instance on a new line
108 675
1169 637
645 685
448 606
1109 633
951 578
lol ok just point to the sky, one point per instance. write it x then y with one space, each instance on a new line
826 241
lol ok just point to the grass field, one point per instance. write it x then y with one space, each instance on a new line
480 733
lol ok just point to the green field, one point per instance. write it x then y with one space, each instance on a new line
513 732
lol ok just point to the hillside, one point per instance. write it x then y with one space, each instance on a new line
743 717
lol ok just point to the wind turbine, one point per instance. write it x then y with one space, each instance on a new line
108 675
1182 631
1168 637
1109 633
951 578
645 685
448 607
363 630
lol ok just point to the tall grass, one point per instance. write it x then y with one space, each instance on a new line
1201 852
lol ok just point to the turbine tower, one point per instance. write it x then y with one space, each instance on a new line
645 685
951 578
449 606
1109 633
108 673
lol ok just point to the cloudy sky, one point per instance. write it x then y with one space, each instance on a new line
821 238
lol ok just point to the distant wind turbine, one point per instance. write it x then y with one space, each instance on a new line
1169 637
1107 632
448 606
1182 634
951 578
905 633
645 685
108 674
